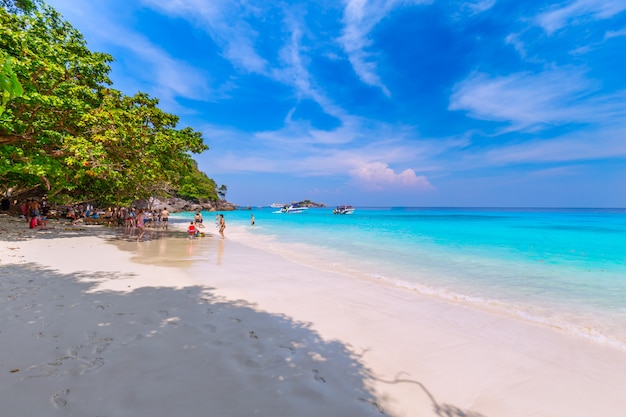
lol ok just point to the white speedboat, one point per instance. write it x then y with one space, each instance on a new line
291 209
343 210
276 205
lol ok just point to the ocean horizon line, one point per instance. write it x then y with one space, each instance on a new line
248 207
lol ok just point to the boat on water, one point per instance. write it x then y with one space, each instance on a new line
343 210
277 205
291 209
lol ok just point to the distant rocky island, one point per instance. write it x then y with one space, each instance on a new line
175 204
309 203
304 203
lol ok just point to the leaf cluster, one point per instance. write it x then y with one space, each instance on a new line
10 86
198 187
64 129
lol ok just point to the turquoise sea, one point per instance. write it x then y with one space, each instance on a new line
563 268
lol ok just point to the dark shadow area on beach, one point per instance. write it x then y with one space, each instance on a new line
186 347
19 230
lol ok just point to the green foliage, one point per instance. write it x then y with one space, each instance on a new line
222 191
20 6
196 186
131 147
10 86
64 128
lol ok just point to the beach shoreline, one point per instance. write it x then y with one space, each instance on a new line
215 324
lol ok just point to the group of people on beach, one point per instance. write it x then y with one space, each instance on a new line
197 223
35 212
140 219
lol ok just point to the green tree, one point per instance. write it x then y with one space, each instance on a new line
197 186
73 135
131 148
61 79
222 191
19 6
10 86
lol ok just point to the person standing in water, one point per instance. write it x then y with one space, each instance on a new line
141 218
198 219
165 217
252 220
222 225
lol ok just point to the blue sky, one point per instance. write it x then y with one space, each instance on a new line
502 103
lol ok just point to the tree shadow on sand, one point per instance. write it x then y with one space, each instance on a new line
13 229
169 352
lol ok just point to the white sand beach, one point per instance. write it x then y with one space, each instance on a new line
97 325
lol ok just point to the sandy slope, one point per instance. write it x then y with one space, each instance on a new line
98 325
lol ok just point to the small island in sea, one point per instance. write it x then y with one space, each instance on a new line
306 203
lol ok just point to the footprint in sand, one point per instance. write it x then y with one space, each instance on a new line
92 365
209 327
253 364
44 371
252 335
73 350
101 345
60 398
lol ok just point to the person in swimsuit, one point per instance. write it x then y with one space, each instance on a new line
192 230
139 223
198 219
222 225
165 217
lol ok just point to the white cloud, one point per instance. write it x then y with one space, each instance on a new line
514 40
533 100
378 176
172 77
579 11
225 22
360 18
296 150
167 77
615 34
480 6
582 146
559 171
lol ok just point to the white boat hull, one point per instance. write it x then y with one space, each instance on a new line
291 210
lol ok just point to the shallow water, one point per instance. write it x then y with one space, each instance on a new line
560 267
